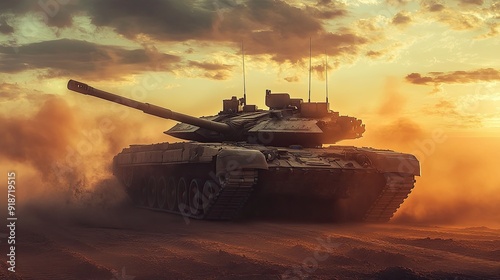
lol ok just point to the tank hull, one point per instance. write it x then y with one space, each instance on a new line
222 181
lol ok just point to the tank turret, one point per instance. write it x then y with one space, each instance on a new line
289 121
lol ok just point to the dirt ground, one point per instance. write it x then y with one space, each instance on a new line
129 243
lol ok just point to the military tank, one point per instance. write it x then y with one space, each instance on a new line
248 162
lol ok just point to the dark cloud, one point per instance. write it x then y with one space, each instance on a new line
271 27
5 28
277 28
401 18
319 70
472 2
176 20
374 54
217 75
327 10
180 20
295 48
210 66
460 77
416 78
214 71
328 14
83 59
436 7
324 2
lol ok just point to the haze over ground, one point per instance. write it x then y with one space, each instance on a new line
423 76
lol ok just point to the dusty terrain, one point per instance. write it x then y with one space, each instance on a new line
129 243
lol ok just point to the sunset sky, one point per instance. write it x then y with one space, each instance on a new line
433 62
406 68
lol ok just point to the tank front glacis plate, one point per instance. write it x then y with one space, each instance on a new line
340 157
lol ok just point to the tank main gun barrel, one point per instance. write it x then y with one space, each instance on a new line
148 108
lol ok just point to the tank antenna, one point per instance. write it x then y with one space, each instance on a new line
244 81
326 76
309 99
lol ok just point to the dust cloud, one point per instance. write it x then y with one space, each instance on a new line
459 185
459 179
62 156
459 182
393 101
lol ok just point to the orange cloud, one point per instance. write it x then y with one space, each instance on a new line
401 18
291 79
451 116
461 15
458 77
9 92
215 71
319 71
374 54
435 7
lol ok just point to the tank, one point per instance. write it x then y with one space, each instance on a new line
246 162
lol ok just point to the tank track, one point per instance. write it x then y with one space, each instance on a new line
234 193
398 187
230 197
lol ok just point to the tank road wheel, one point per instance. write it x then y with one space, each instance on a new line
182 196
171 194
210 190
152 190
195 195
162 193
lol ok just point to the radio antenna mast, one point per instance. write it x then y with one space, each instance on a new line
309 99
326 76
244 81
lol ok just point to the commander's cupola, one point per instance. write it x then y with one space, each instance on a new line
235 105
276 101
